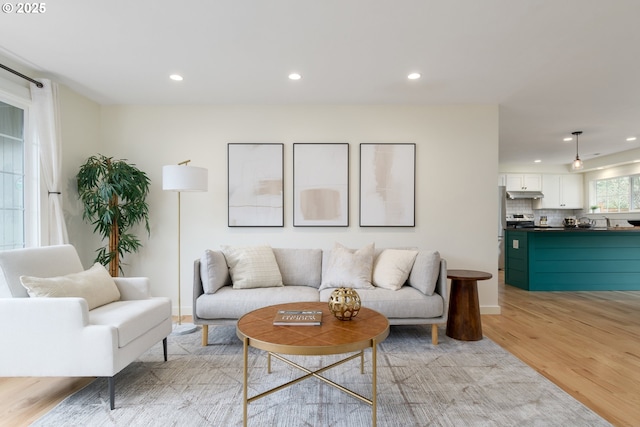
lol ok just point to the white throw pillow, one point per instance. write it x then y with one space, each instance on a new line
349 268
94 285
252 267
392 267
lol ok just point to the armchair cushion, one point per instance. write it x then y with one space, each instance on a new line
95 285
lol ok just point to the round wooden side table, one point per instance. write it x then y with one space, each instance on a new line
463 320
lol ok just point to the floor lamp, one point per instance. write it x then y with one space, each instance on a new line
179 178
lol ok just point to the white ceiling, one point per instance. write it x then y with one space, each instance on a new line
553 66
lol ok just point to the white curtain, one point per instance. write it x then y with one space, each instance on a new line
44 123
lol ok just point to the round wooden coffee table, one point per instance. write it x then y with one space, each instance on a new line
333 336
463 320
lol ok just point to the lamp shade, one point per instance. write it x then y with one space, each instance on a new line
184 178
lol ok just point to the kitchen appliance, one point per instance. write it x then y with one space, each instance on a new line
569 222
513 195
520 221
585 222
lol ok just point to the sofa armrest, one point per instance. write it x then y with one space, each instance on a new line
55 330
198 288
441 286
133 288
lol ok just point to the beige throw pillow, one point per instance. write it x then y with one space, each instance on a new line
392 267
349 268
94 285
252 267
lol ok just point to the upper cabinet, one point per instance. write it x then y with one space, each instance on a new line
524 182
561 192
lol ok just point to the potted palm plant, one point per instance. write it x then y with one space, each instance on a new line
114 193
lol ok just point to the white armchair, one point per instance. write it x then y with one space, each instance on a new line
61 336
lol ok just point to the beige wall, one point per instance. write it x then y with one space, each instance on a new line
80 134
457 164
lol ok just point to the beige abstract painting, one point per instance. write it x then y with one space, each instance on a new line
321 184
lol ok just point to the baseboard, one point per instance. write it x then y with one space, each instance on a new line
490 309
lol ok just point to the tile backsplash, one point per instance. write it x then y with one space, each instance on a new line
555 216
519 206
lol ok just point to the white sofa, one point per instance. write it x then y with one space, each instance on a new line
61 336
422 299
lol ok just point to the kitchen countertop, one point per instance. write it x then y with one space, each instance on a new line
575 229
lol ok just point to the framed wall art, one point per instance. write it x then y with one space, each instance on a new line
321 184
255 185
387 185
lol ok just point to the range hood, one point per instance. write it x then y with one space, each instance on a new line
524 195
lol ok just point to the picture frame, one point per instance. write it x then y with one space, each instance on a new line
320 184
387 184
255 184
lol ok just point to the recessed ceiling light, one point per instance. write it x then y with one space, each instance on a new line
537 161
294 76
631 138
568 139
414 76
176 77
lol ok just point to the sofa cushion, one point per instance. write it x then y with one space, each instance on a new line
299 266
94 285
132 319
391 268
405 303
425 271
252 266
349 268
214 271
229 303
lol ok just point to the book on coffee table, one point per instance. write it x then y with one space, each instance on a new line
298 318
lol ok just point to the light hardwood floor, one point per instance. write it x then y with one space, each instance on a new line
588 343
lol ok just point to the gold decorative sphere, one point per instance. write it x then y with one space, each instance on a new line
344 303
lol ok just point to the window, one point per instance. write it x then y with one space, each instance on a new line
621 194
13 232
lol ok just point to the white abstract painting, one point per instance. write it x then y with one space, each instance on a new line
387 185
256 195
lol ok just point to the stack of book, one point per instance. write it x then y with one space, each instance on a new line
298 318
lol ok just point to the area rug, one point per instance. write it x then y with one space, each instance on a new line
455 383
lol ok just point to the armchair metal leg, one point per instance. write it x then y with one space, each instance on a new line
164 348
112 392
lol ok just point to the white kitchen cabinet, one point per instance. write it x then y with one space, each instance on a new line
524 182
561 192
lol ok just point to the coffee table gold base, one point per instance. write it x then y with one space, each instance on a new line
313 374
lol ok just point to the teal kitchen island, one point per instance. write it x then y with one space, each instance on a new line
573 259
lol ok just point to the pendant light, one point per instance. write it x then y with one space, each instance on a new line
577 163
